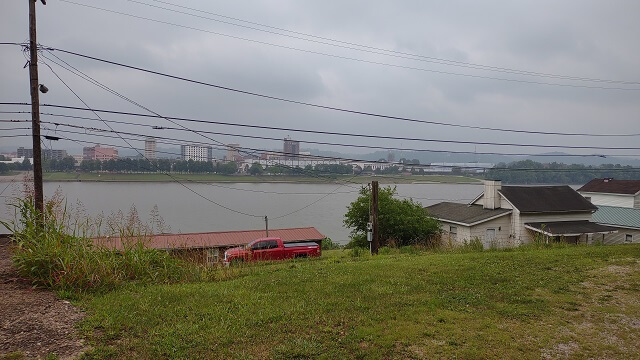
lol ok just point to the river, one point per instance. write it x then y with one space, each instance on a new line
237 206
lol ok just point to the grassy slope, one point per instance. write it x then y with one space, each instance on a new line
235 178
575 302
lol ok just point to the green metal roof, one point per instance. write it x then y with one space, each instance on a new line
614 215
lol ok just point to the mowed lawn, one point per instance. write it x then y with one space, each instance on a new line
573 302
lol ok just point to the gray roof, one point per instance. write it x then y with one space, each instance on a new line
539 199
614 215
463 213
569 228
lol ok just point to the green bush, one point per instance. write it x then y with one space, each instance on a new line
52 252
328 244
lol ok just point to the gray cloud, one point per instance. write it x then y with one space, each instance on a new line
578 38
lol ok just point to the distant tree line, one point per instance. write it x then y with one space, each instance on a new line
160 165
17 166
539 173
199 167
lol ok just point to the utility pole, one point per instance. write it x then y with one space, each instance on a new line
375 244
35 109
266 225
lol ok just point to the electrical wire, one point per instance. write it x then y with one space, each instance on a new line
436 166
86 77
330 41
167 174
346 57
155 113
344 110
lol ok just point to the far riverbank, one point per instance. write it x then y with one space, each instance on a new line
216 178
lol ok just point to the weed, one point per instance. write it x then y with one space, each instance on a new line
54 250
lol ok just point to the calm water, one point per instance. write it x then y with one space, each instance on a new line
287 205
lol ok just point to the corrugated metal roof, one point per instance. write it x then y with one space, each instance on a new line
214 239
614 215
612 186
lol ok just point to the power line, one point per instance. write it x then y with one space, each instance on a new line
167 174
86 77
374 146
368 161
335 109
155 113
350 111
411 56
351 134
371 49
351 58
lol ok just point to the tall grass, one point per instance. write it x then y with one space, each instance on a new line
56 251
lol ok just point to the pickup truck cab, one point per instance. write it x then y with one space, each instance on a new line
271 248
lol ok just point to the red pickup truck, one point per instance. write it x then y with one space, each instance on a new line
272 249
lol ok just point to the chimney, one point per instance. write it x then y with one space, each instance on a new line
491 199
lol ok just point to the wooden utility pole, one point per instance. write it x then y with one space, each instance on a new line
35 110
375 244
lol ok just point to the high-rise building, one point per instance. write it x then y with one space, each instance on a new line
52 154
22 152
196 153
99 153
291 148
150 148
233 153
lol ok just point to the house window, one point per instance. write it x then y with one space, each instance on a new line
628 238
453 230
213 255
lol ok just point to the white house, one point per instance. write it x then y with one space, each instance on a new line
618 203
505 216
611 192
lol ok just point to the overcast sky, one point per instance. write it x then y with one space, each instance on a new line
583 39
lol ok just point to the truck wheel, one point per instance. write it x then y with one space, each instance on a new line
301 256
237 261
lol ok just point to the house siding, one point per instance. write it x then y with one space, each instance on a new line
627 201
502 225
636 201
524 236
465 234
617 238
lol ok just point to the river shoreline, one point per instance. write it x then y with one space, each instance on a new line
215 178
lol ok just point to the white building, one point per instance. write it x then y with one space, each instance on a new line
505 216
196 153
611 192
150 148
618 203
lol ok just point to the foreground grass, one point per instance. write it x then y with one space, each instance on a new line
397 179
575 302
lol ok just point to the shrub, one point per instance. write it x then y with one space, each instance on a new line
328 244
56 252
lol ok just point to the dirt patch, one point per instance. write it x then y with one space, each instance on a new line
34 322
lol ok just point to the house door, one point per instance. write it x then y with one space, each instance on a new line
489 237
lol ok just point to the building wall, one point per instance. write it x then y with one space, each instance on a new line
466 234
502 226
636 201
196 153
525 236
150 147
611 199
617 238
99 153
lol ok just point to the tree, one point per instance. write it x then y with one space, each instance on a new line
400 222
256 169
